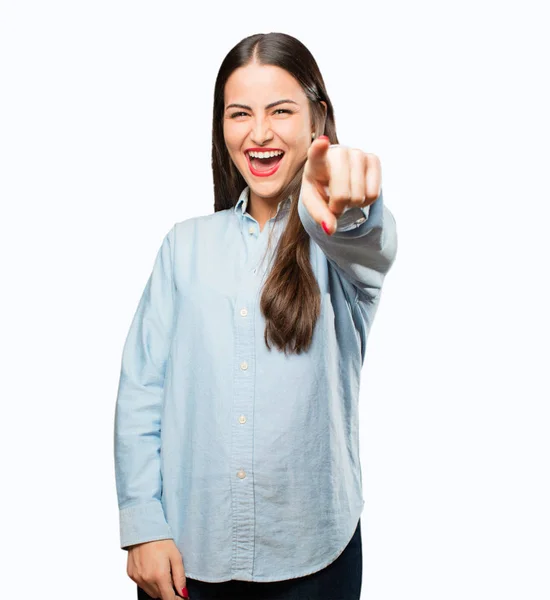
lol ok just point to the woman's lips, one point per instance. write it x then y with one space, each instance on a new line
267 173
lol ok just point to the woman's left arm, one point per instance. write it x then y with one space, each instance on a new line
363 253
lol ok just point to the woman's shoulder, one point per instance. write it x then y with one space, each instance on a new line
199 224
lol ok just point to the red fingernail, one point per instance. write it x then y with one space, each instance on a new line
323 137
184 592
325 227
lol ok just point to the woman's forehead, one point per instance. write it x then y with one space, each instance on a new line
262 84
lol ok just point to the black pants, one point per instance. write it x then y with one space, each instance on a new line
341 580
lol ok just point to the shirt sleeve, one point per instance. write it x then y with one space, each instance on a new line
362 249
138 406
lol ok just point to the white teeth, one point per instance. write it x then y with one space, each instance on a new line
265 154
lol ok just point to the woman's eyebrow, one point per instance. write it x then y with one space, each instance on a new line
268 106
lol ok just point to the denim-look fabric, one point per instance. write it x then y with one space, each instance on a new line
246 457
341 580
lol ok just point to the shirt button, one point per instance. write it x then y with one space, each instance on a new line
242 419
251 229
241 474
244 312
254 271
244 365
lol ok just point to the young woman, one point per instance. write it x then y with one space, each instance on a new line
236 425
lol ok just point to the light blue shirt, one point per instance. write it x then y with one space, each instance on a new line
248 459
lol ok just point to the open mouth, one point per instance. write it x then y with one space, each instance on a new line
263 167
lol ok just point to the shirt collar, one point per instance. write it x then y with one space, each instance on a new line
242 203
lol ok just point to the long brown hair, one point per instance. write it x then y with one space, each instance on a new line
291 300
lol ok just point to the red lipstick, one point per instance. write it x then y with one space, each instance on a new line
263 150
267 173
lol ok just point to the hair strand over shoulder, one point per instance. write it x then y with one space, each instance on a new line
291 299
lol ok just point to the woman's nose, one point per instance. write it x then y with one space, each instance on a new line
261 132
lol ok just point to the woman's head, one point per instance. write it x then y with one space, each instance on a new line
260 70
253 120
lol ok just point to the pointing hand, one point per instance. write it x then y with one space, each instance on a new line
337 178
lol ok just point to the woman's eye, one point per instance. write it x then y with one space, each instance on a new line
283 110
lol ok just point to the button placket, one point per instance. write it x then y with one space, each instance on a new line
242 428
256 247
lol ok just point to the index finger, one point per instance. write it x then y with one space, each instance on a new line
317 168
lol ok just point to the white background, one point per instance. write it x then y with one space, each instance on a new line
105 141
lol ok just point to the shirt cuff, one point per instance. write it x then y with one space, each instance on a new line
143 523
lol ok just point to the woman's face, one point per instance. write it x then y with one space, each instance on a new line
285 126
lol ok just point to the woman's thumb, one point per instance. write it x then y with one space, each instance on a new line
178 574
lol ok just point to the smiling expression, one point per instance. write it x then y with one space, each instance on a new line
266 108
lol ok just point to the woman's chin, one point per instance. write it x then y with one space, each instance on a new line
267 189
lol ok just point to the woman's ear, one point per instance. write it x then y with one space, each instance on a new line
325 116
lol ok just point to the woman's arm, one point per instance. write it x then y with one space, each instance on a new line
139 404
362 254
